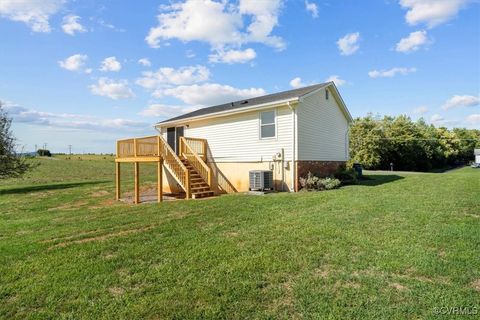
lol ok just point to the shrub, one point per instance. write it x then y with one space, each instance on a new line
346 176
311 183
44 153
328 184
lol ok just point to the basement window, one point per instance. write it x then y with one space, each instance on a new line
267 124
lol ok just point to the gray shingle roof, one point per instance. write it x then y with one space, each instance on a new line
284 95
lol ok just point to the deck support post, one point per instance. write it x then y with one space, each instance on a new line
137 191
159 181
117 181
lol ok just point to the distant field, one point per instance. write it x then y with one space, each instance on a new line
401 245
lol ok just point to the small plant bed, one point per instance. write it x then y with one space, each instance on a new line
314 183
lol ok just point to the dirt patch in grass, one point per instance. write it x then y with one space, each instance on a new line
284 304
323 272
408 275
231 234
100 193
476 285
347 284
104 204
102 237
116 291
69 206
398 286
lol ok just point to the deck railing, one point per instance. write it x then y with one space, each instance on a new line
197 145
189 153
156 146
138 147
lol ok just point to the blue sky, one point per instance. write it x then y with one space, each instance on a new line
89 72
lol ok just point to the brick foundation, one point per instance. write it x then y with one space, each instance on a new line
318 168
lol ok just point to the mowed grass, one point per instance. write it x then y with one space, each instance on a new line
397 246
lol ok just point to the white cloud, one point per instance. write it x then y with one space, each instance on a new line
209 93
75 62
71 25
112 89
420 110
297 83
169 76
233 56
440 121
336 79
431 12
166 111
390 73
111 64
413 42
312 8
34 13
224 27
473 119
461 101
348 45
145 62
437 119
72 121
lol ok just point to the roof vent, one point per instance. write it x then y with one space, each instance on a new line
231 103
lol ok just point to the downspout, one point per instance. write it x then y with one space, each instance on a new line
294 147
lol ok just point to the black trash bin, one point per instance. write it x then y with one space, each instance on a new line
358 168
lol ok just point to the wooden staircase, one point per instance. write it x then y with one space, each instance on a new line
199 188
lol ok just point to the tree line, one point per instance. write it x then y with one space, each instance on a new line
409 145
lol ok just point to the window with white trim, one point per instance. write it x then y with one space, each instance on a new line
267 124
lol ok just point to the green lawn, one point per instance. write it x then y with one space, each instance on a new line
397 246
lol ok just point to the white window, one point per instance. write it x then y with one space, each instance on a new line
267 124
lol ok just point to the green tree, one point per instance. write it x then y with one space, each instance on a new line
11 164
365 146
409 145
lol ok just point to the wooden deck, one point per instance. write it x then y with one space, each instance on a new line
137 150
189 169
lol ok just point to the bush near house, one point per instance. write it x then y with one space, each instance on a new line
314 183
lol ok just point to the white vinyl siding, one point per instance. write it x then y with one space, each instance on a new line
236 138
322 129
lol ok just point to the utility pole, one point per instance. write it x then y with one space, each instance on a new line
70 149
44 146
36 148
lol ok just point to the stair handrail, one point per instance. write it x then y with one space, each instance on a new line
198 145
175 165
196 161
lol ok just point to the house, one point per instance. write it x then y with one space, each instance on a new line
212 150
477 155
